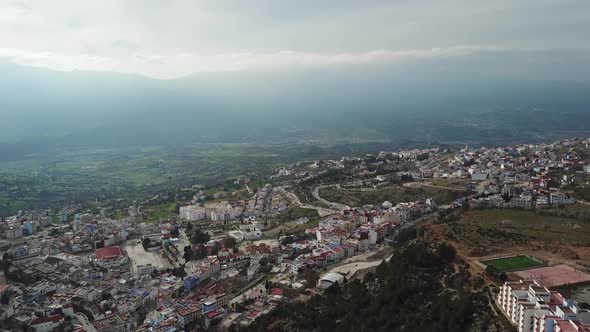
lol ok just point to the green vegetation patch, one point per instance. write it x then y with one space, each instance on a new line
296 212
513 263
163 211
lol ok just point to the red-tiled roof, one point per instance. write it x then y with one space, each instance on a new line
214 313
254 314
277 291
4 288
556 298
108 252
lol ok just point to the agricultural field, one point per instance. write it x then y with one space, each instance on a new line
513 263
119 177
394 195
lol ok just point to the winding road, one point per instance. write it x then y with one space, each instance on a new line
316 194
322 211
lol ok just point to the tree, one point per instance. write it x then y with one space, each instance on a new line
216 247
503 277
189 227
446 252
201 252
5 299
311 278
145 242
229 242
491 270
188 253
287 240
263 261
6 260
179 272
423 156
391 299
405 235
199 237
175 232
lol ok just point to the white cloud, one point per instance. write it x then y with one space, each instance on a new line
172 38
175 65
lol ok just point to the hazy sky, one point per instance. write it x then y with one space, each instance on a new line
171 38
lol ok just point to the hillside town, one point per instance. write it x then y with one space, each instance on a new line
220 264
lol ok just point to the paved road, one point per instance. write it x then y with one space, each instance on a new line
322 211
334 205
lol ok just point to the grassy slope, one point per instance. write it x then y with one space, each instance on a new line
394 195
511 227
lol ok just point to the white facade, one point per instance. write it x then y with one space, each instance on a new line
533 308
113 262
479 176
192 212
523 201
145 269
559 198
329 279
46 326
14 232
372 237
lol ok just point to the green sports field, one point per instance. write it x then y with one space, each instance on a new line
513 263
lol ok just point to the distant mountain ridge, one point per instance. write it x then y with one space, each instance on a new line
42 109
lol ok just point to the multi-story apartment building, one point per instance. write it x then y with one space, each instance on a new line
533 308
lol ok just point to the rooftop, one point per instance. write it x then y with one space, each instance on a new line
108 252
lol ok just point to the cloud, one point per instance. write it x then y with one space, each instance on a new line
181 64
166 39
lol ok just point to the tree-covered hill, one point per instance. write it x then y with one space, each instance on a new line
419 289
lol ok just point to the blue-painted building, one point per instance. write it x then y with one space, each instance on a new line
191 282
209 306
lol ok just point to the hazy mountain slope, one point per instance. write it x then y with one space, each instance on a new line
42 109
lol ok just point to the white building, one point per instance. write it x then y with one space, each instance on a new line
533 308
477 176
192 212
46 324
522 201
559 198
542 200
14 232
145 269
372 237
110 257
330 279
